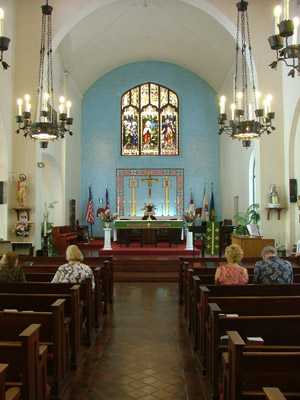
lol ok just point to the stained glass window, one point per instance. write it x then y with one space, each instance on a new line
149 121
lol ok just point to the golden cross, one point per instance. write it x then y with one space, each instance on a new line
150 180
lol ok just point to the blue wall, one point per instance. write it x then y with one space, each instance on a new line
198 129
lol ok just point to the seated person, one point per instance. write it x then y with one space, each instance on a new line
232 273
74 270
9 269
272 269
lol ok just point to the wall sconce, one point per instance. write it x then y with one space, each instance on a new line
40 164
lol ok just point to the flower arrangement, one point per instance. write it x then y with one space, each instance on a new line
149 207
107 216
190 216
22 228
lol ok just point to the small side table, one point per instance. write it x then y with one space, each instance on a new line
21 209
269 209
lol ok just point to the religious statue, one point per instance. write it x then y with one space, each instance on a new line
22 186
273 197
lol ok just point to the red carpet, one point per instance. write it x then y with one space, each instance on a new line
135 249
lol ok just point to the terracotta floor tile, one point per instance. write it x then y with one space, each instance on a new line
141 350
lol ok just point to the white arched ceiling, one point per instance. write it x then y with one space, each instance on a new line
107 34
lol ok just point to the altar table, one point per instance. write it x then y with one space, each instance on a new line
142 225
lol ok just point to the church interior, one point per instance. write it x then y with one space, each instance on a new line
147 134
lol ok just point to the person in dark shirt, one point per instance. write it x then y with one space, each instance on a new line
272 269
9 269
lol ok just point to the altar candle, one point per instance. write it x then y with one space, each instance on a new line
45 219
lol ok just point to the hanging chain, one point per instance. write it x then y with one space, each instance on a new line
41 71
236 59
50 68
251 65
244 68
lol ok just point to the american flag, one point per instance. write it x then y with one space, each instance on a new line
89 214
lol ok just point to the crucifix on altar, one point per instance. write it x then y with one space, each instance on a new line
149 181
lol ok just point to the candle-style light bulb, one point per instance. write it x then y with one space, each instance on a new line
277 13
62 103
1 21
239 97
46 98
27 104
258 96
20 102
269 99
68 104
233 107
296 24
286 12
222 104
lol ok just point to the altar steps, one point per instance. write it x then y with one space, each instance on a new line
147 268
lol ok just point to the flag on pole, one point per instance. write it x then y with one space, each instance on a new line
89 214
106 199
191 206
212 206
205 213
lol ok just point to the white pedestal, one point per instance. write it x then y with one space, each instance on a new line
107 244
189 240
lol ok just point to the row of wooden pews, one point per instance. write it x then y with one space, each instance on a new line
67 316
217 315
12 393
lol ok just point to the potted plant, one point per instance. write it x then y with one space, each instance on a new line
251 216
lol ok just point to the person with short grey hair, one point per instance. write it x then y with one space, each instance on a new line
272 269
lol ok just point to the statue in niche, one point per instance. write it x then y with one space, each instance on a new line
22 186
273 197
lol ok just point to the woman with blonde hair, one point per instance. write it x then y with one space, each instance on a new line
74 271
9 269
232 273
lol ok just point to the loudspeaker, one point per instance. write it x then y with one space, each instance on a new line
293 190
1 192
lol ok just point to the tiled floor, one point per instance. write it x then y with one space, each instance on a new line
141 351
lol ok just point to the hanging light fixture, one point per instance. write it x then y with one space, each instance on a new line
46 126
286 28
248 121
4 41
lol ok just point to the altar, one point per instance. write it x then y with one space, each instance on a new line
124 229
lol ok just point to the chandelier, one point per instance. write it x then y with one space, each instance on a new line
286 28
248 121
47 125
4 41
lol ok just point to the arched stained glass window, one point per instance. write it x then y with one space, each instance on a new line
149 121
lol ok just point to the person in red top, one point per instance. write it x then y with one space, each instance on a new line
232 273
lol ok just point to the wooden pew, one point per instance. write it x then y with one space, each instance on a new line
267 327
40 300
202 262
52 334
103 279
203 295
12 393
248 371
24 357
93 262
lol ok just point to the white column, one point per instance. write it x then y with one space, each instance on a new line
189 240
107 244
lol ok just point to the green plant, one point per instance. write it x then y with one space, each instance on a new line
251 216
